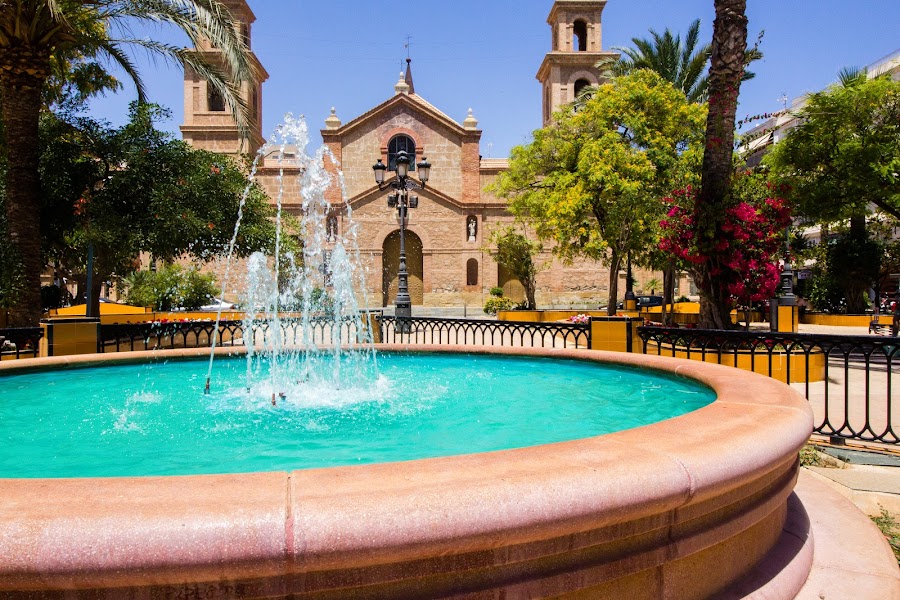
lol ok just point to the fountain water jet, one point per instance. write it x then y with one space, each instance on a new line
291 321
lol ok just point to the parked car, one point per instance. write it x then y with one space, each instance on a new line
648 301
216 304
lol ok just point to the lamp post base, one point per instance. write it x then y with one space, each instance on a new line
403 316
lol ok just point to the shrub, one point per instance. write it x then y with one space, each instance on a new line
495 304
497 291
682 299
170 287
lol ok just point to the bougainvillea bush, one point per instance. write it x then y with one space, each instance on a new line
750 242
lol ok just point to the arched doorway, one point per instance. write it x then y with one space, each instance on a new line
390 260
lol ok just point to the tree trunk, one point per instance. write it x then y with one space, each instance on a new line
857 281
22 74
530 289
668 293
726 68
94 293
715 311
615 262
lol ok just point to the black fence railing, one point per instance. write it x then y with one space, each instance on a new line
483 332
848 380
20 342
125 337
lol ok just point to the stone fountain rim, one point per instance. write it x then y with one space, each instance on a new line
281 522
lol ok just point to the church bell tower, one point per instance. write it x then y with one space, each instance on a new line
576 48
208 122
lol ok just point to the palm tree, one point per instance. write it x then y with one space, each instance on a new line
727 63
682 64
36 33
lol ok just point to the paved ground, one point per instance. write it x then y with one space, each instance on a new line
870 486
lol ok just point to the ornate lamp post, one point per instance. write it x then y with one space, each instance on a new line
787 273
402 201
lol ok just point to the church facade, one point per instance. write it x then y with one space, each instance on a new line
448 234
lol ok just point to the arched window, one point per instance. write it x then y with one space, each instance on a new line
214 100
579 87
579 36
472 271
398 143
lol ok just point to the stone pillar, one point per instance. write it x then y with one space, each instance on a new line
65 337
784 318
616 334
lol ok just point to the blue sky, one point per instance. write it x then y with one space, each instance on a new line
484 55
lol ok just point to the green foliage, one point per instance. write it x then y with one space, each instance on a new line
590 180
845 265
76 39
845 151
495 304
652 285
496 291
60 48
682 64
682 299
11 280
134 189
809 456
170 287
516 253
52 296
889 527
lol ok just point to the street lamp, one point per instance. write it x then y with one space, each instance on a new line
402 201
787 274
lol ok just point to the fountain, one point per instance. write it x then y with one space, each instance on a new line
694 506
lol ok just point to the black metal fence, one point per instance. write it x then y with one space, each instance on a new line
848 380
125 337
483 332
20 342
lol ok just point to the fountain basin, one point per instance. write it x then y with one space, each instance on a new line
683 508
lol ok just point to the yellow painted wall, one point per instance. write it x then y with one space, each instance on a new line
110 318
545 316
759 364
844 320
106 308
69 337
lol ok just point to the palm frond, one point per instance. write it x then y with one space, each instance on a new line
112 49
678 61
851 76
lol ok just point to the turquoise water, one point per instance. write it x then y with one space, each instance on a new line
153 419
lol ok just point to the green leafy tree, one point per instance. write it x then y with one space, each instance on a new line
135 189
170 287
516 253
684 65
590 181
844 154
842 159
37 36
